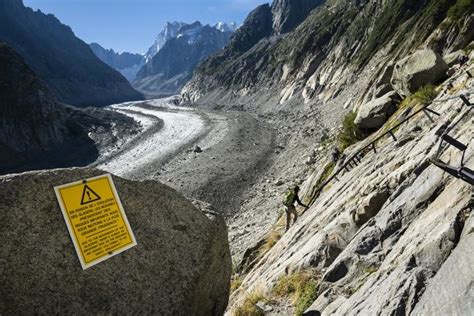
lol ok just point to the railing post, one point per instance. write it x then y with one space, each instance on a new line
465 100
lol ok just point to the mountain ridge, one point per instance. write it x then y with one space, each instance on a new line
54 53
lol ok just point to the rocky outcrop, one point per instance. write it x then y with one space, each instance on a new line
417 70
65 63
173 65
289 14
375 113
181 265
169 31
387 234
127 64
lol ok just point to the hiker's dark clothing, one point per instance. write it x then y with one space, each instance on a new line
462 60
336 154
291 209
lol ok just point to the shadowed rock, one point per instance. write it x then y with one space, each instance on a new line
181 265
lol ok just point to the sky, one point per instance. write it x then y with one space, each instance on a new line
132 25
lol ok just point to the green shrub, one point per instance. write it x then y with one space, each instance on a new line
235 283
301 287
460 8
307 297
249 308
350 133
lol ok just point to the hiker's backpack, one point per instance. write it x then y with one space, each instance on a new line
289 198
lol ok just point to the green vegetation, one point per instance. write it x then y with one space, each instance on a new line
249 308
460 8
424 96
301 287
370 269
235 283
350 133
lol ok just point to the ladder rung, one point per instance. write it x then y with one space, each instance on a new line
467 175
454 142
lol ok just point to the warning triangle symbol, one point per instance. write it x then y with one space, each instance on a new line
89 196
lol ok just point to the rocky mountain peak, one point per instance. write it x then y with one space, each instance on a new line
256 26
169 31
288 14
226 27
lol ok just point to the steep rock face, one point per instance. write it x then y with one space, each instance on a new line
169 31
174 64
181 265
412 233
127 64
67 65
288 14
337 43
34 128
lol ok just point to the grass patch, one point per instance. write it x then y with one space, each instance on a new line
350 133
235 283
270 241
249 308
460 8
370 269
301 287
424 96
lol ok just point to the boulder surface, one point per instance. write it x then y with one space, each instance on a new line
417 70
181 265
375 113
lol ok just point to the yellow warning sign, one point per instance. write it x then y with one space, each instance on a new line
95 219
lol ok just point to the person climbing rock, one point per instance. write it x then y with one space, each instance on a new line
290 198
462 60
336 154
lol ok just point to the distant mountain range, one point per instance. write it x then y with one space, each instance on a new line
176 52
67 64
127 64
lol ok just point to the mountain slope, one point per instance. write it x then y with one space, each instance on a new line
169 31
323 54
35 131
67 65
127 64
175 62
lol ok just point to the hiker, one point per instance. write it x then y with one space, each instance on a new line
290 199
336 154
462 60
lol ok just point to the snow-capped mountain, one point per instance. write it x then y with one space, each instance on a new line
179 29
169 31
226 27
172 65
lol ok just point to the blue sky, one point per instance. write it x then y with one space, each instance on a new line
131 25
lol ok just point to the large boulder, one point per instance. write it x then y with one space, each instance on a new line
375 113
181 265
417 70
